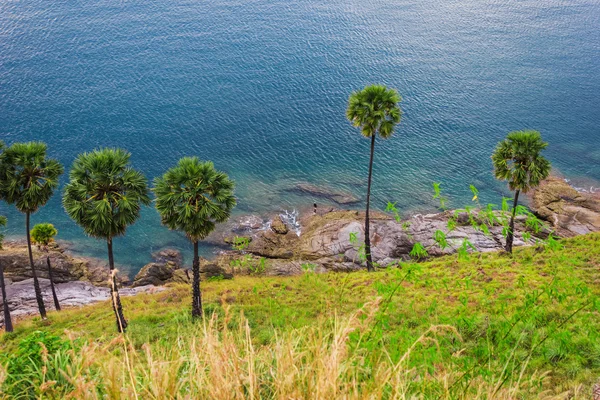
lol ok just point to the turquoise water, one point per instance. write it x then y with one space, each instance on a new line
260 87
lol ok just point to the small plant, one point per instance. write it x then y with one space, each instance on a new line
418 251
463 250
309 267
437 194
43 234
391 207
440 238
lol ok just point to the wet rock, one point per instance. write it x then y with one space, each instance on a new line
278 226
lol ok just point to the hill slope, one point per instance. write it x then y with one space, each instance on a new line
489 326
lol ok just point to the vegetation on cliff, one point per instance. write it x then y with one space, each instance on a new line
491 325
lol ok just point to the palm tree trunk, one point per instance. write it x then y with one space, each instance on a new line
8 327
511 229
367 230
56 303
114 291
36 283
196 295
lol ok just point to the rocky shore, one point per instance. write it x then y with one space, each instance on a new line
328 240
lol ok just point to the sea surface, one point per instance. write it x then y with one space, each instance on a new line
260 87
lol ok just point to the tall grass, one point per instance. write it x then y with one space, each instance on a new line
220 361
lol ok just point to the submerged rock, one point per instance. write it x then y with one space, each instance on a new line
342 198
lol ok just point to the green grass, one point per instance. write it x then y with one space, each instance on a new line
534 314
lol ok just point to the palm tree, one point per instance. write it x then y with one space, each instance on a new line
517 159
374 110
43 235
28 181
8 327
193 197
104 196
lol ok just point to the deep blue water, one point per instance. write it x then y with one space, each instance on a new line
260 87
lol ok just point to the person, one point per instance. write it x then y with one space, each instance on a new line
315 207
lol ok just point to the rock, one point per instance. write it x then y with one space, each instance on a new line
168 256
167 268
65 268
278 226
342 198
210 269
570 212
22 300
155 274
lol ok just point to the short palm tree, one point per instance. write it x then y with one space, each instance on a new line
517 159
28 181
193 197
374 110
104 196
8 327
43 235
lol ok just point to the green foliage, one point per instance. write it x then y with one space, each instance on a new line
193 197
104 194
43 234
440 239
374 110
309 267
27 177
418 251
463 250
437 194
391 207
39 358
517 159
475 193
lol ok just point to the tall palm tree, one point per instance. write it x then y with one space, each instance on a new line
104 196
374 110
8 327
28 181
193 197
43 235
517 159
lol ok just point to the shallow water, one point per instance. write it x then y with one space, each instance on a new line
260 87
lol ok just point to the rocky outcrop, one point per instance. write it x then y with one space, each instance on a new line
342 198
65 267
278 226
168 268
21 295
570 212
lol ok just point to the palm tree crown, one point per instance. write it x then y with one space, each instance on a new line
193 197
28 177
375 109
517 159
104 194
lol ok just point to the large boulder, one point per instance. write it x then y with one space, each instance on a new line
570 212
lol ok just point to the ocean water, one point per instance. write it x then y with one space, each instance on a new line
260 87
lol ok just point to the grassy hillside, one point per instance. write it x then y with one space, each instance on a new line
491 326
